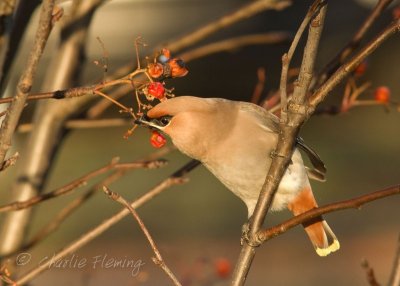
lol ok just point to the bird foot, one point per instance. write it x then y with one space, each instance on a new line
245 233
247 237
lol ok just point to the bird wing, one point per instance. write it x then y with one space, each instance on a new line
267 120
319 171
270 123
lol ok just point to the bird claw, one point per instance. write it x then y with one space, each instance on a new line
245 233
247 237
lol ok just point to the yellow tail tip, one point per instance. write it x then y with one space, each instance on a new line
335 245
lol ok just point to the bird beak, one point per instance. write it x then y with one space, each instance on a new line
145 121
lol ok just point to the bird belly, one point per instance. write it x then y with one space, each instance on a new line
245 179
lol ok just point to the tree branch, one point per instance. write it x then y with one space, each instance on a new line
244 12
114 165
175 179
320 94
48 120
26 81
282 155
354 203
287 57
158 260
235 43
335 63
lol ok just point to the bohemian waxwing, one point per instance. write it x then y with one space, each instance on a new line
235 140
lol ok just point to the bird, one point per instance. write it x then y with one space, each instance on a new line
234 140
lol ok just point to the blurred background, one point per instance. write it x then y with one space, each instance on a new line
198 225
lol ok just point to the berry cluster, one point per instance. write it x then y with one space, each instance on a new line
162 68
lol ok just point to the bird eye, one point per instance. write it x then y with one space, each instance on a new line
165 120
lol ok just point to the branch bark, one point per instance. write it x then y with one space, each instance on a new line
26 81
354 203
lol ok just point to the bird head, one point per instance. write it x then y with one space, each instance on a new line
194 124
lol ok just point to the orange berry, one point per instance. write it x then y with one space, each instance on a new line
155 70
223 267
382 94
157 140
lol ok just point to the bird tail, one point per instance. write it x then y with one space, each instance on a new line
319 232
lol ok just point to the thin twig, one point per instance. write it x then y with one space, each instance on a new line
158 260
175 179
62 215
19 205
354 203
335 63
26 81
309 57
395 273
369 271
287 57
235 43
84 124
49 118
244 12
320 94
98 108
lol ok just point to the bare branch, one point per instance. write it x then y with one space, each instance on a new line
244 12
235 43
351 64
25 83
19 205
342 205
97 109
281 156
84 123
287 58
335 63
49 118
175 179
63 214
158 260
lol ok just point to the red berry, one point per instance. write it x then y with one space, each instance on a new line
156 89
361 68
157 140
382 94
223 267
